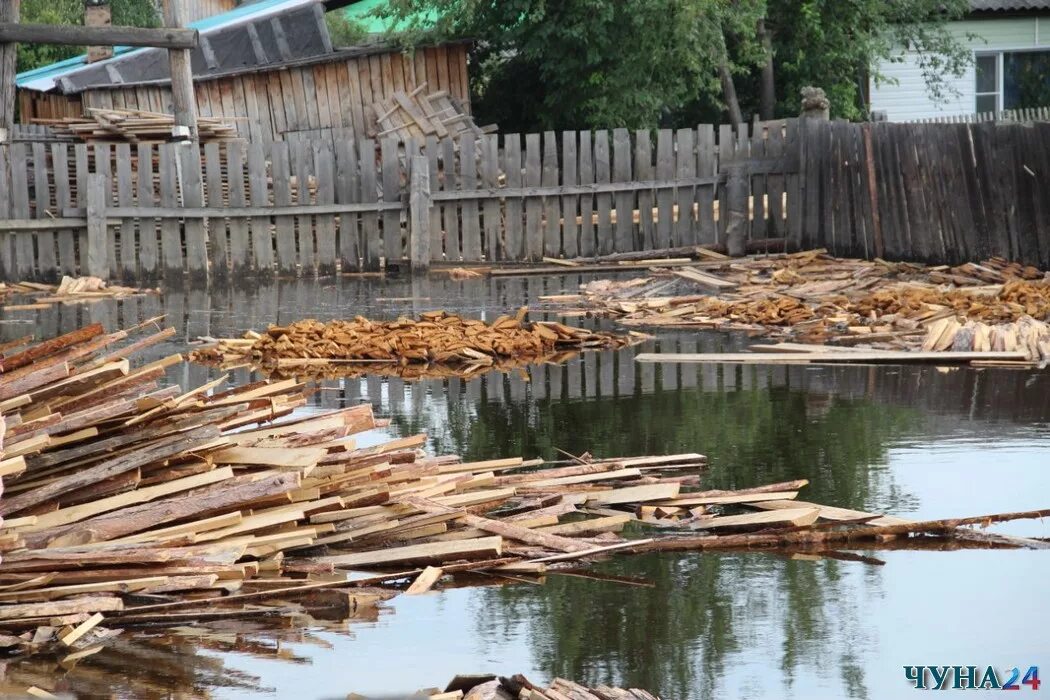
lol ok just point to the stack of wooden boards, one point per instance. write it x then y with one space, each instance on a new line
71 290
130 502
415 115
133 126
815 298
518 687
436 341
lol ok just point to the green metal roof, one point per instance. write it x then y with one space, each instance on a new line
360 12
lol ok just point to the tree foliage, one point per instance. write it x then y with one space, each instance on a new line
539 64
128 13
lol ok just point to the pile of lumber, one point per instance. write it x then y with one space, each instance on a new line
436 341
71 290
518 687
417 114
133 126
815 298
128 502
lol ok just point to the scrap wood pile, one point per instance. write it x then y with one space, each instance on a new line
437 340
133 126
71 290
131 503
518 687
812 297
417 114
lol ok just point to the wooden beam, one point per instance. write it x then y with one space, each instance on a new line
183 98
9 13
77 35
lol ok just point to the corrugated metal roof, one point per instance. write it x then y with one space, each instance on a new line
1008 5
46 77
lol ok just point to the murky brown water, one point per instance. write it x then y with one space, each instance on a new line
909 440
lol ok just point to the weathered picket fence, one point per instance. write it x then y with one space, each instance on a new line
141 211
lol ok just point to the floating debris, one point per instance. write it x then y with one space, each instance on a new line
133 503
431 345
518 687
72 290
815 298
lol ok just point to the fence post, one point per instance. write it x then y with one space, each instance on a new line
419 214
97 193
737 220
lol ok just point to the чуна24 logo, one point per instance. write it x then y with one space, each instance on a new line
968 677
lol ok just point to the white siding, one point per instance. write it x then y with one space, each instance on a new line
905 96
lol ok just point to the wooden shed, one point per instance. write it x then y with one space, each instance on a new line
269 68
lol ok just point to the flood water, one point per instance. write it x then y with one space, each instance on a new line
913 441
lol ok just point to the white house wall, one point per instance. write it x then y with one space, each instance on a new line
902 94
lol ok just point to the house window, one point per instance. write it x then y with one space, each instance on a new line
1012 80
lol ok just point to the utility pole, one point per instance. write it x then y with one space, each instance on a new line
183 98
9 13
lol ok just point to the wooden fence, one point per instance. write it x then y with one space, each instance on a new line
140 211
939 193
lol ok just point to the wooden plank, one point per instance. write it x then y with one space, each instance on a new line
687 501
775 183
240 239
191 188
324 170
726 154
793 517
262 239
302 158
635 494
830 512
569 203
425 581
605 241
665 167
432 150
758 184
392 244
533 233
685 228
552 245
282 197
706 166
125 197
588 244
514 244
218 247
64 238
623 172
468 180
643 170
480 548
491 219
25 259
171 233
881 356
347 190
47 259
7 240
372 249
80 156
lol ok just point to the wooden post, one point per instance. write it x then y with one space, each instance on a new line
97 13
419 214
9 12
97 257
183 99
873 192
737 191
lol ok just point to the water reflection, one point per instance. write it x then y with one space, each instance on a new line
900 439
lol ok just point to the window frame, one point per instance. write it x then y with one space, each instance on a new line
998 54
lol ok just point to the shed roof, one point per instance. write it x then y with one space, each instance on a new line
1008 5
229 41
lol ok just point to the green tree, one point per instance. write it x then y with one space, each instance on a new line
639 63
128 13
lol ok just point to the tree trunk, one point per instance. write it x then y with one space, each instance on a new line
729 87
767 97
9 12
729 94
